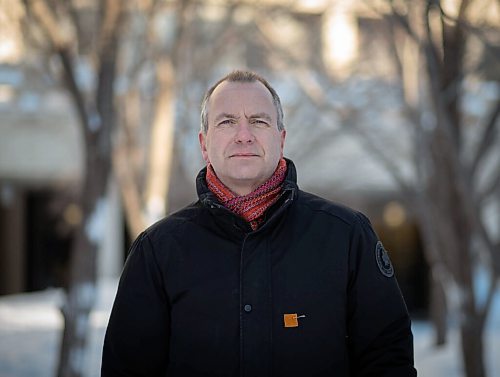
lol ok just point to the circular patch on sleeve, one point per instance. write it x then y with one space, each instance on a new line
383 261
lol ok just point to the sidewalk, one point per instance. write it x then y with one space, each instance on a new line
30 328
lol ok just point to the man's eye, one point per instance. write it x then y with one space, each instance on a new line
260 122
226 122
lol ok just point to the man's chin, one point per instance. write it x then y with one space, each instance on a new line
241 164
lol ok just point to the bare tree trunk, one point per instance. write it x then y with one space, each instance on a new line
438 310
81 290
472 345
162 144
97 122
76 311
429 225
131 198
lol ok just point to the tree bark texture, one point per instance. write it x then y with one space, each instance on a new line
472 345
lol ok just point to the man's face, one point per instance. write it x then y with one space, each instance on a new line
242 142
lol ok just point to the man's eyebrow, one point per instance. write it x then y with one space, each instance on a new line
225 116
260 116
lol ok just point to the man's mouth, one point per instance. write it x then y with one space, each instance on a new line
244 155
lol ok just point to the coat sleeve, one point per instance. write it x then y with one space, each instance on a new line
137 337
379 338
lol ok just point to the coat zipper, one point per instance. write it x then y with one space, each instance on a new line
241 306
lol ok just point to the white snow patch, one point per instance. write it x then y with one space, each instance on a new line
76 360
86 295
96 222
82 325
31 311
155 209
94 122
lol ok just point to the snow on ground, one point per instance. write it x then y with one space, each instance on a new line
30 330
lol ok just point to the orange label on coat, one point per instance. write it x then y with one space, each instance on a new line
291 320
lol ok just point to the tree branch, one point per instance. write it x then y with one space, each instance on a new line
490 188
72 86
476 31
487 139
385 160
484 310
47 20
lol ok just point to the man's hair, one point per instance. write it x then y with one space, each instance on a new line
242 77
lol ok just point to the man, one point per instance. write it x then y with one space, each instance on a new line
257 278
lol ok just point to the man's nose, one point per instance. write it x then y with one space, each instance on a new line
244 132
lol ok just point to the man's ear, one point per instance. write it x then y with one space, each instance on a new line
203 146
283 136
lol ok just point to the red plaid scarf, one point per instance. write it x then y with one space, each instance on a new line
252 206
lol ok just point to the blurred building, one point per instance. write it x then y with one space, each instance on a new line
41 161
41 151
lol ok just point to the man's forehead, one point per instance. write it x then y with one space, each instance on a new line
234 97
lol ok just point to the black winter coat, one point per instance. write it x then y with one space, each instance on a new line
202 294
